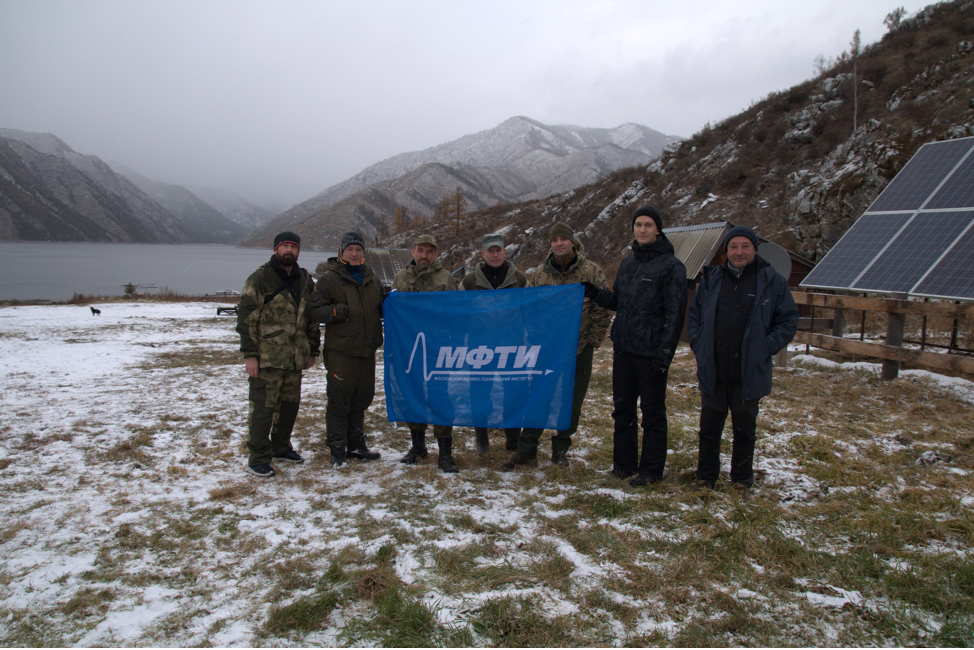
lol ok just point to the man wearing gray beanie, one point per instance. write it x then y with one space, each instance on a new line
742 315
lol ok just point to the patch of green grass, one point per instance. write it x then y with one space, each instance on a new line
301 616
516 622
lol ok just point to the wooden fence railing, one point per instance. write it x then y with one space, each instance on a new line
891 352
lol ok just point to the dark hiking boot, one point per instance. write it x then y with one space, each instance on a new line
642 479
361 452
290 456
263 470
483 442
702 484
510 443
445 462
620 473
338 458
529 460
559 458
418 450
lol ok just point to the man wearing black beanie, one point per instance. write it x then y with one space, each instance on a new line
742 315
650 300
278 341
348 301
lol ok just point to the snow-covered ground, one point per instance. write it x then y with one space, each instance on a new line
129 519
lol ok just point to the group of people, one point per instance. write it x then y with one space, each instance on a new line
742 314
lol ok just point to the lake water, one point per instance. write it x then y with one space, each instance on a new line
56 271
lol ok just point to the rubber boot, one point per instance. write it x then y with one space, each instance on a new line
418 450
483 442
445 461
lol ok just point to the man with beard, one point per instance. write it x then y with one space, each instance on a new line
650 300
742 315
494 273
348 300
566 264
426 273
278 341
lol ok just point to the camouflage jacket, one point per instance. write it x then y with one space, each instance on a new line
477 280
595 319
433 278
271 326
351 312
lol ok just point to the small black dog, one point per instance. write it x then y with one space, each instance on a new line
95 312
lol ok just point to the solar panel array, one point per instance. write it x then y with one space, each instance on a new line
917 237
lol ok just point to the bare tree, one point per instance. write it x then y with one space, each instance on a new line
459 205
894 18
854 50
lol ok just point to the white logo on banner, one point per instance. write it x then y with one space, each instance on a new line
521 358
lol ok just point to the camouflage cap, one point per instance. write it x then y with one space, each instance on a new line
425 239
491 239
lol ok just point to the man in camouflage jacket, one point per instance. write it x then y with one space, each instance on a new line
426 273
494 272
348 300
278 341
566 264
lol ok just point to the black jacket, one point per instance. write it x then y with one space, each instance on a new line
650 300
772 324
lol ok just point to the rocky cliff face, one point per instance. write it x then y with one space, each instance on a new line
800 166
49 192
519 160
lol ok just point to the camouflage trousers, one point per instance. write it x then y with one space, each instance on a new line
274 397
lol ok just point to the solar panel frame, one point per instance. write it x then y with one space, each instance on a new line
911 254
925 172
853 253
951 276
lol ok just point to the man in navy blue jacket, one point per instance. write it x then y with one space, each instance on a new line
742 315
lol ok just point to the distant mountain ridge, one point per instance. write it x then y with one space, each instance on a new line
49 192
521 159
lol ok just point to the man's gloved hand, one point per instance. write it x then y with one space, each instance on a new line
590 289
659 370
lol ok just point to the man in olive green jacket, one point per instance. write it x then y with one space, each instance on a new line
426 273
278 342
494 273
348 300
566 264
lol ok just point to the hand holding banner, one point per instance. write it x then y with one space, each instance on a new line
500 359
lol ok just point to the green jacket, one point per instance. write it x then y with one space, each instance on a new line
271 326
477 280
433 278
595 319
351 312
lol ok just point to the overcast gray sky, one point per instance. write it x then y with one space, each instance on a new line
296 96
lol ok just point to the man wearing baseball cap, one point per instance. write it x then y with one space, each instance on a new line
278 341
426 273
742 315
494 272
348 300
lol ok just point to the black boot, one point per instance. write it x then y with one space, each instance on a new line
418 450
445 461
511 436
360 452
483 442
528 460
559 458
338 458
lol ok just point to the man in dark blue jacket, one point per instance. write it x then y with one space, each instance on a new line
650 300
742 315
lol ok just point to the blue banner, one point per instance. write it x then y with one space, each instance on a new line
500 359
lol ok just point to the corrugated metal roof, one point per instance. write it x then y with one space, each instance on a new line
387 262
695 246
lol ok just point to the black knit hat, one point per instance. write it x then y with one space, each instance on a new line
647 211
287 236
350 238
740 231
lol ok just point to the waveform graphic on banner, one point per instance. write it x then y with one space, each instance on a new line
482 358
